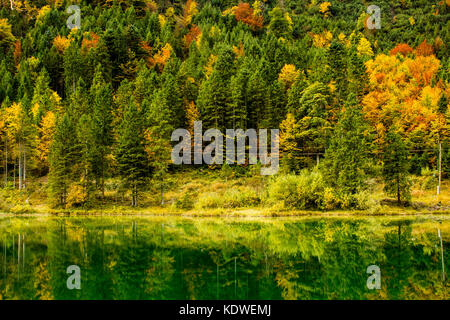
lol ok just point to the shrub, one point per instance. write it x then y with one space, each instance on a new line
428 179
76 196
240 198
303 191
185 202
209 200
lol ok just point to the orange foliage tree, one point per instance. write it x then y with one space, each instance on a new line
424 49
245 14
402 48
402 93
192 35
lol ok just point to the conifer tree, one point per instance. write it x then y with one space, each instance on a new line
396 166
101 94
63 159
130 152
347 160
337 61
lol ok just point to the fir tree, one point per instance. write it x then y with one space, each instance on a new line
347 160
64 158
396 166
130 152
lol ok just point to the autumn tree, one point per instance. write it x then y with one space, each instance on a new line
245 14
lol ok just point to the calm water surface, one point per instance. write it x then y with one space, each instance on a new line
216 258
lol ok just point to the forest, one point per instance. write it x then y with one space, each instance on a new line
87 113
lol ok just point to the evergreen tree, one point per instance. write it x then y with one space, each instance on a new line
214 99
64 158
130 152
396 166
101 94
337 61
347 159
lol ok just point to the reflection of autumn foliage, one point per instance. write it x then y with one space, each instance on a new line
245 14
402 48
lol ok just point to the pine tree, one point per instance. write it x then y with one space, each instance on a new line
357 75
346 160
214 99
63 157
130 152
101 94
337 61
88 150
237 113
158 143
396 166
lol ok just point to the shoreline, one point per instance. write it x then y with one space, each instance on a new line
226 213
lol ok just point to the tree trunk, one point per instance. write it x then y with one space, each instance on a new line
103 176
15 172
20 166
24 168
6 161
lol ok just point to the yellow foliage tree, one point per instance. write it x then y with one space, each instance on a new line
322 40
163 55
288 75
364 47
325 9
402 93
46 133
61 44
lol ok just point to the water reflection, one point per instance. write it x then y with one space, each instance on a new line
175 258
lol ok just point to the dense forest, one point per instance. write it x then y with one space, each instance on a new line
89 110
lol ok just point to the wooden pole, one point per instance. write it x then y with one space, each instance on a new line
6 161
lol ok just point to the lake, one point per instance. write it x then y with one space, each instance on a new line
141 257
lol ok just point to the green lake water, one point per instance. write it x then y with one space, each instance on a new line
138 257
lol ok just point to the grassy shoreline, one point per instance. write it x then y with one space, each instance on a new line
224 212
192 194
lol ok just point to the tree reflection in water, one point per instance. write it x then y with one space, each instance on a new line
181 258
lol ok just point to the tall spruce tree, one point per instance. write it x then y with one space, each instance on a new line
101 95
64 158
130 152
396 166
347 160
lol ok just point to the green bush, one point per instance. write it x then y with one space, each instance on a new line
210 200
428 179
239 197
303 191
185 202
